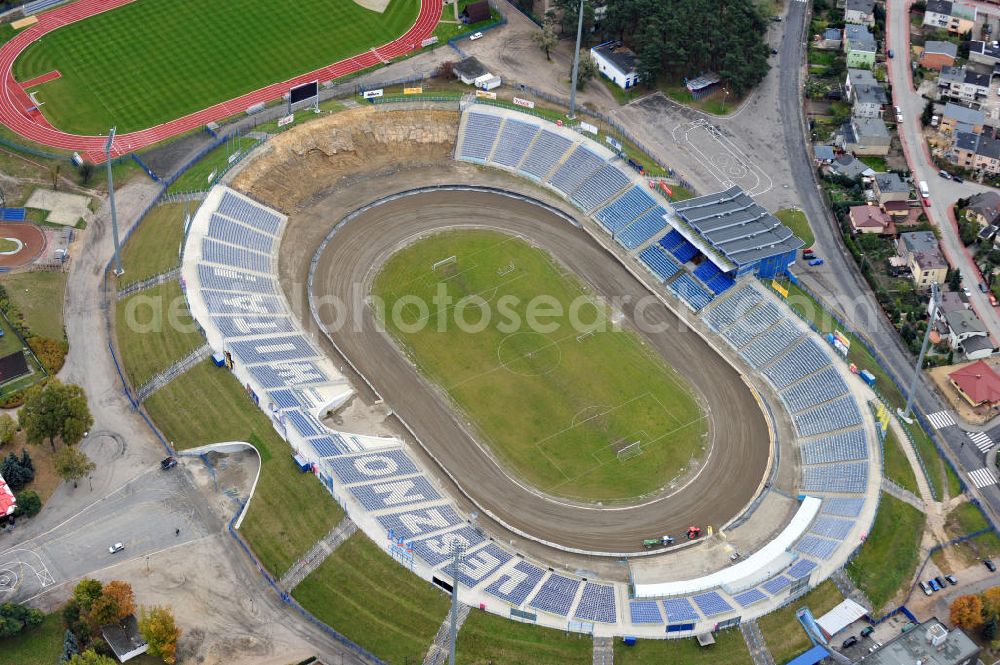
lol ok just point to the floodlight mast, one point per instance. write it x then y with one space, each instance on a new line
576 66
111 201
932 308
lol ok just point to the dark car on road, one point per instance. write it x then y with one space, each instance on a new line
990 566
168 463
849 642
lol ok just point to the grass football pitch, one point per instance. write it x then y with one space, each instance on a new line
556 403
152 61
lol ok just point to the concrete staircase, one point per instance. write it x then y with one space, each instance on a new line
149 282
755 643
323 548
604 651
895 490
441 646
166 376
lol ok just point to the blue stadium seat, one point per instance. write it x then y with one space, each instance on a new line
299 372
752 323
821 387
776 584
644 611
221 278
517 584
831 527
770 343
597 603
800 362
250 213
224 229
680 610
801 568
842 507
419 521
836 415
580 165
748 598
214 251
642 229
659 263
733 308
840 447
556 595
547 150
480 135
844 478
227 302
370 466
241 325
821 548
13 214
271 349
608 181
515 137
627 207
688 290
712 603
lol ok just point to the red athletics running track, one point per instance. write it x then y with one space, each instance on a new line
18 114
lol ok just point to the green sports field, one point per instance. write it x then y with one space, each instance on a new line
555 403
152 61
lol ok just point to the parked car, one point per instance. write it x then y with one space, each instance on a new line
117 547
816 262
168 463
849 642
958 178
944 174
933 584
967 292
926 588
940 581
867 630
952 580
983 288
875 647
474 36
990 566
889 53
774 51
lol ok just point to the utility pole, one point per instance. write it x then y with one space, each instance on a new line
576 67
457 549
111 202
931 312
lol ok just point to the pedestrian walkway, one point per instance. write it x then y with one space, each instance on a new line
604 651
441 646
755 643
983 477
941 419
172 372
982 440
895 490
318 554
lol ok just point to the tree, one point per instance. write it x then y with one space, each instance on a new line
28 503
86 171
14 618
546 38
928 114
75 622
91 657
7 429
967 612
991 602
55 410
86 592
16 472
71 647
161 633
73 464
105 610
122 595
587 70
990 629
954 279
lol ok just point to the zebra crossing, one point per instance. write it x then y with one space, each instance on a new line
941 419
982 440
983 477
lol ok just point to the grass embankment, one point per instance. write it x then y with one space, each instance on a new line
796 221
39 296
206 171
290 510
149 62
40 646
579 397
375 602
487 638
782 631
890 554
154 330
154 247
897 466
729 648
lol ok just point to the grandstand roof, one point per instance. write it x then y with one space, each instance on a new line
735 225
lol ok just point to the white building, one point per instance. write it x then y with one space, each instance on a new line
617 63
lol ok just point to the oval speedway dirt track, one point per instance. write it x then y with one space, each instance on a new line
740 432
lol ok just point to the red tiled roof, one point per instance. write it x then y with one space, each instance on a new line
7 501
979 381
868 217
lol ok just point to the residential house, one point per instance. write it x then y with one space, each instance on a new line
849 166
984 53
976 152
617 63
923 256
963 83
861 12
824 154
870 219
960 118
860 46
938 54
898 210
978 384
954 17
963 324
831 40
984 208
865 136
476 12
856 77
890 187
869 100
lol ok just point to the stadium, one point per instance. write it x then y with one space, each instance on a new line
729 413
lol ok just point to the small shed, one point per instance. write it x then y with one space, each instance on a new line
469 70
125 639
476 12
840 617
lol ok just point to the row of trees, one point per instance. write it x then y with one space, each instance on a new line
94 605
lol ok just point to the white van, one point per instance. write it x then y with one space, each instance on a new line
924 191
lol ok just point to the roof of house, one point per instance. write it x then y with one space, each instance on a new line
949 301
914 645
869 94
869 128
622 58
832 34
983 48
736 226
477 11
951 74
470 68
896 206
13 366
849 166
979 381
939 6
824 153
966 141
861 77
963 114
863 6
964 321
859 37
868 217
891 182
977 343
123 638
941 48
986 204
975 78
923 245
988 147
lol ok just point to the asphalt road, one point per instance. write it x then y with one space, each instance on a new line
739 430
839 282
